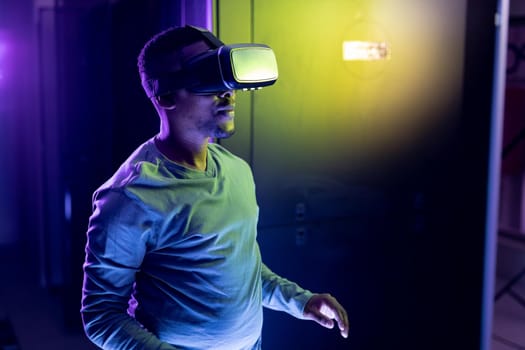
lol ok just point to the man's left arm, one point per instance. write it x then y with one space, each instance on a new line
283 295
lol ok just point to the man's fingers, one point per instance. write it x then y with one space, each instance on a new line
333 310
336 311
343 328
326 310
323 320
342 322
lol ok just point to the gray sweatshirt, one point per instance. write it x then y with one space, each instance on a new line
172 260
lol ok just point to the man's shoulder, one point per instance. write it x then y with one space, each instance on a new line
132 169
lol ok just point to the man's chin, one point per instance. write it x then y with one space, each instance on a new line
224 131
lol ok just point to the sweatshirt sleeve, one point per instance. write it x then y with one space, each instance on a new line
280 294
117 237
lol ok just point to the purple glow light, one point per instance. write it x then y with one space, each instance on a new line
3 55
3 49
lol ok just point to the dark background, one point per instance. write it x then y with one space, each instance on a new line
72 109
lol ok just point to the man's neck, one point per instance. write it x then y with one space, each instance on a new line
185 152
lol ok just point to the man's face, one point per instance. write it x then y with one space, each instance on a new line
207 115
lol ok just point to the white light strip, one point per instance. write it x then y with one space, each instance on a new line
365 51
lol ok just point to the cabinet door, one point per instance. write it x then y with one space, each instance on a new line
393 158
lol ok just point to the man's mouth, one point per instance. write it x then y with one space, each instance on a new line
228 108
227 112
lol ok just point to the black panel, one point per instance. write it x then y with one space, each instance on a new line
407 257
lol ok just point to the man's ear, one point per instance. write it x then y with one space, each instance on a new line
166 101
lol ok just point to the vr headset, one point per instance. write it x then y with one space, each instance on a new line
222 68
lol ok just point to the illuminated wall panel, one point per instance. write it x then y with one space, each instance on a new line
357 116
328 121
375 178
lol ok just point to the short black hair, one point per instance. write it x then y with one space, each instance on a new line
168 42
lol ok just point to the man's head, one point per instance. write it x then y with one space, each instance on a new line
209 115
190 61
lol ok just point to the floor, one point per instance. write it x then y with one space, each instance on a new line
509 309
30 317
509 321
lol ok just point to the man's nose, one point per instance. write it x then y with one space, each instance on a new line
226 94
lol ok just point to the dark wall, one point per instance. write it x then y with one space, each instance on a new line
94 114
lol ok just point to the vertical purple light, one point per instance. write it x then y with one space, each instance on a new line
6 61
209 15
7 234
3 54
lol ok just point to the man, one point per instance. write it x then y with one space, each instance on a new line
172 260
